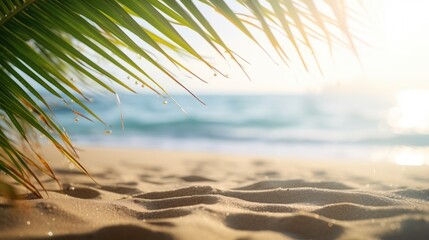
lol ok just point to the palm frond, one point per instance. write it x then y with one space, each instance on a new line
42 43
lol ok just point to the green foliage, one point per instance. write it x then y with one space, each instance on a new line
43 43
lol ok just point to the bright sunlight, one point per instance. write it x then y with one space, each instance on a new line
410 113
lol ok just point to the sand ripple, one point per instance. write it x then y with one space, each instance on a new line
201 201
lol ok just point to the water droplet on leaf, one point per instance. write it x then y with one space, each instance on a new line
76 119
70 188
107 132
165 102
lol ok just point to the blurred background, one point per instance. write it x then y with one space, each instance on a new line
371 107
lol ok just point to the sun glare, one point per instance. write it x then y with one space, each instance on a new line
410 114
409 156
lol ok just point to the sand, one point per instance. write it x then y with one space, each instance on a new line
144 194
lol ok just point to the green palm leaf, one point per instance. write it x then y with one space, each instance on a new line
41 44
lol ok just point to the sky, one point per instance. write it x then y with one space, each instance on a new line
394 59
397 31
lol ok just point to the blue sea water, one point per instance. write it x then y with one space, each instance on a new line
318 126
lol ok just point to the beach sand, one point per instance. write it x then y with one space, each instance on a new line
143 194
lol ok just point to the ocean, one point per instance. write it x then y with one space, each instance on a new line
315 126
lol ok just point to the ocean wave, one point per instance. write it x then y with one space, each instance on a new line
281 120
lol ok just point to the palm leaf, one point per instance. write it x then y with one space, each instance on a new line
41 44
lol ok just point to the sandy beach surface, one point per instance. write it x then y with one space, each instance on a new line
143 194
